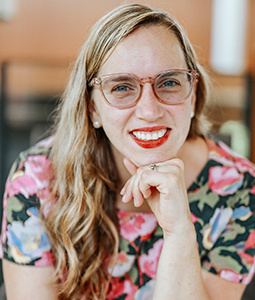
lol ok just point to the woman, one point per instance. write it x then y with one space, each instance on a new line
112 184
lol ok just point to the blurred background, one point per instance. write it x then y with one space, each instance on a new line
39 40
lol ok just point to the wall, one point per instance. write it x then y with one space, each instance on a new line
45 36
54 30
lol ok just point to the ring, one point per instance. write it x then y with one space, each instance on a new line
154 167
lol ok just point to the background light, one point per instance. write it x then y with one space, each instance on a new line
7 9
228 39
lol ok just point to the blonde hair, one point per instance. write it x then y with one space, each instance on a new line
83 223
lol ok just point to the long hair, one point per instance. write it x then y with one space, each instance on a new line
83 223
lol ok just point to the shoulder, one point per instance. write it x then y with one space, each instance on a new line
38 154
28 185
31 172
228 171
224 155
227 179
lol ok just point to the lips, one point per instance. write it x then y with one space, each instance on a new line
150 137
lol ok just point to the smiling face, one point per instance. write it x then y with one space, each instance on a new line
150 131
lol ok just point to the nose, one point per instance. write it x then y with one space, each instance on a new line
148 107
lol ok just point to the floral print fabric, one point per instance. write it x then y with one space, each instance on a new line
222 203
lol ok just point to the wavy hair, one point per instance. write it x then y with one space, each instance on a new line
83 223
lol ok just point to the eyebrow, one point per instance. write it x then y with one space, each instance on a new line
172 73
121 78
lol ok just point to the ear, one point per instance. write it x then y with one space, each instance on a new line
194 96
93 113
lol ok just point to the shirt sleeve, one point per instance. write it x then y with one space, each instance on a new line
23 238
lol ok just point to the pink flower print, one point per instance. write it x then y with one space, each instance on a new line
119 288
252 191
219 157
130 289
247 279
228 158
220 153
116 289
46 260
250 242
224 181
247 257
133 225
39 168
21 183
123 265
244 165
149 262
194 218
230 275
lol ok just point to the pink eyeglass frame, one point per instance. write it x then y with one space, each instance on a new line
98 81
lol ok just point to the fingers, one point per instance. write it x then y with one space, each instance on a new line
165 178
131 191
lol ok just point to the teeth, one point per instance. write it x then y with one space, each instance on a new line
149 136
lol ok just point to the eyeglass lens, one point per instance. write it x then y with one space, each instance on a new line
123 90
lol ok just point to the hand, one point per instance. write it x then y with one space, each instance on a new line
165 191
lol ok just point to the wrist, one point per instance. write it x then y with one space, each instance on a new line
185 230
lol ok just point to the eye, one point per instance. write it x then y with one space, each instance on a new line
169 83
121 88
117 88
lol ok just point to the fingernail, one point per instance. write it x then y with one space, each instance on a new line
122 191
124 198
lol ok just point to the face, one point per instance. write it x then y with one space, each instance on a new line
144 53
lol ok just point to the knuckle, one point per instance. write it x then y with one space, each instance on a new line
139 171
179 163
145 174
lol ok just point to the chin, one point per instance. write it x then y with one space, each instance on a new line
150 158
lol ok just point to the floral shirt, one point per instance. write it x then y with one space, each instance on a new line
222 204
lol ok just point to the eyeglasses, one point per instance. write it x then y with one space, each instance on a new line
124 90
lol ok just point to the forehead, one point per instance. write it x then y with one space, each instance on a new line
145 52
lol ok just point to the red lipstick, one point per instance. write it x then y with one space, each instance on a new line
151 143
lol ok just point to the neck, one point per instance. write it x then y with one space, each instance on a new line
194 154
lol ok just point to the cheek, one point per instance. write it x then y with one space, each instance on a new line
111 118
114 123
181 113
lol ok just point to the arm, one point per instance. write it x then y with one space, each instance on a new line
179 274
28 282
24 238
187 277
